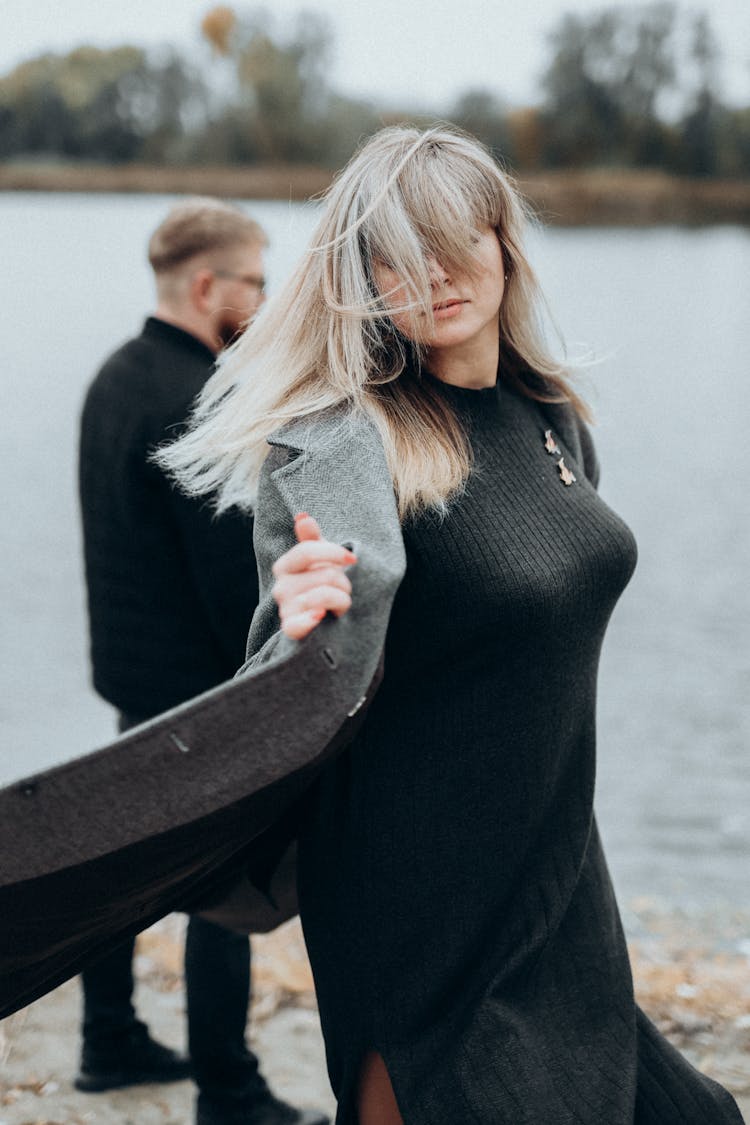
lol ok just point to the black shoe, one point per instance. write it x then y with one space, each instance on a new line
136 1058
262 1110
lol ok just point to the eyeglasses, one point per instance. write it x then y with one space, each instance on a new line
252 280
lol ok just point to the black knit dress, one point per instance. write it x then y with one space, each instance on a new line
455 899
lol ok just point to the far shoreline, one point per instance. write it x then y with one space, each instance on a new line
587 197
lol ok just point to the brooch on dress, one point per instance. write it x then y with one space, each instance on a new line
551 446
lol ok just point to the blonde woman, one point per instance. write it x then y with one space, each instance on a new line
467 951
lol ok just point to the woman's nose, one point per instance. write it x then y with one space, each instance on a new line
438 273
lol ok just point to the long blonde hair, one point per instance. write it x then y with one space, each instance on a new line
327 338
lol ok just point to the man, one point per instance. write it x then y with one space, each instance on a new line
171 590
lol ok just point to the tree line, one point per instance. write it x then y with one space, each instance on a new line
627 86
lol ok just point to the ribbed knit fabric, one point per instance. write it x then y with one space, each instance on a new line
456 902
171 588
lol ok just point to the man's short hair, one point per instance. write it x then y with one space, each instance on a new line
197 226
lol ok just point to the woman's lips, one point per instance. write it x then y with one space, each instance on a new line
444 310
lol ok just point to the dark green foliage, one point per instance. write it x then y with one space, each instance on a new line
636 85
93 104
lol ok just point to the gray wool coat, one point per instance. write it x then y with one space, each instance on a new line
175 813
172 812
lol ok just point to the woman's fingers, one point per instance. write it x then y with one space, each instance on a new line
290 586
310 579
309 553
306 528
326 598
299 626
301 614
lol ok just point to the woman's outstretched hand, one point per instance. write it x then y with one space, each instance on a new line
311 579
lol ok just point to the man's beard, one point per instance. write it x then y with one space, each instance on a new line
229 330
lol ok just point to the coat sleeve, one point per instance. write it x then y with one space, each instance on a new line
338 473
273 535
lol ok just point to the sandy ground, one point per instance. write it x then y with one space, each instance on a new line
692 977
39 1045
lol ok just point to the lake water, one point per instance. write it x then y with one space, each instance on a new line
664 312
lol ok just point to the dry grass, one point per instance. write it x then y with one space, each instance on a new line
586 198
635 198
692 987
281 970
295 182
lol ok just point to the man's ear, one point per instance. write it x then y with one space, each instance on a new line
202 290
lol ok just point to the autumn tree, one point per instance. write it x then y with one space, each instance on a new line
280 92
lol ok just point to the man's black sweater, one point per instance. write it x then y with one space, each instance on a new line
171 586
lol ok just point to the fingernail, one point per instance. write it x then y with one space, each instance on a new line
349 556
301 516
317 614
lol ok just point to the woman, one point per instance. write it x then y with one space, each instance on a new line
467 951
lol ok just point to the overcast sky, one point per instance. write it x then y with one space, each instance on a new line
414 51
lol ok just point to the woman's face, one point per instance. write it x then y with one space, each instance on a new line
466 309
